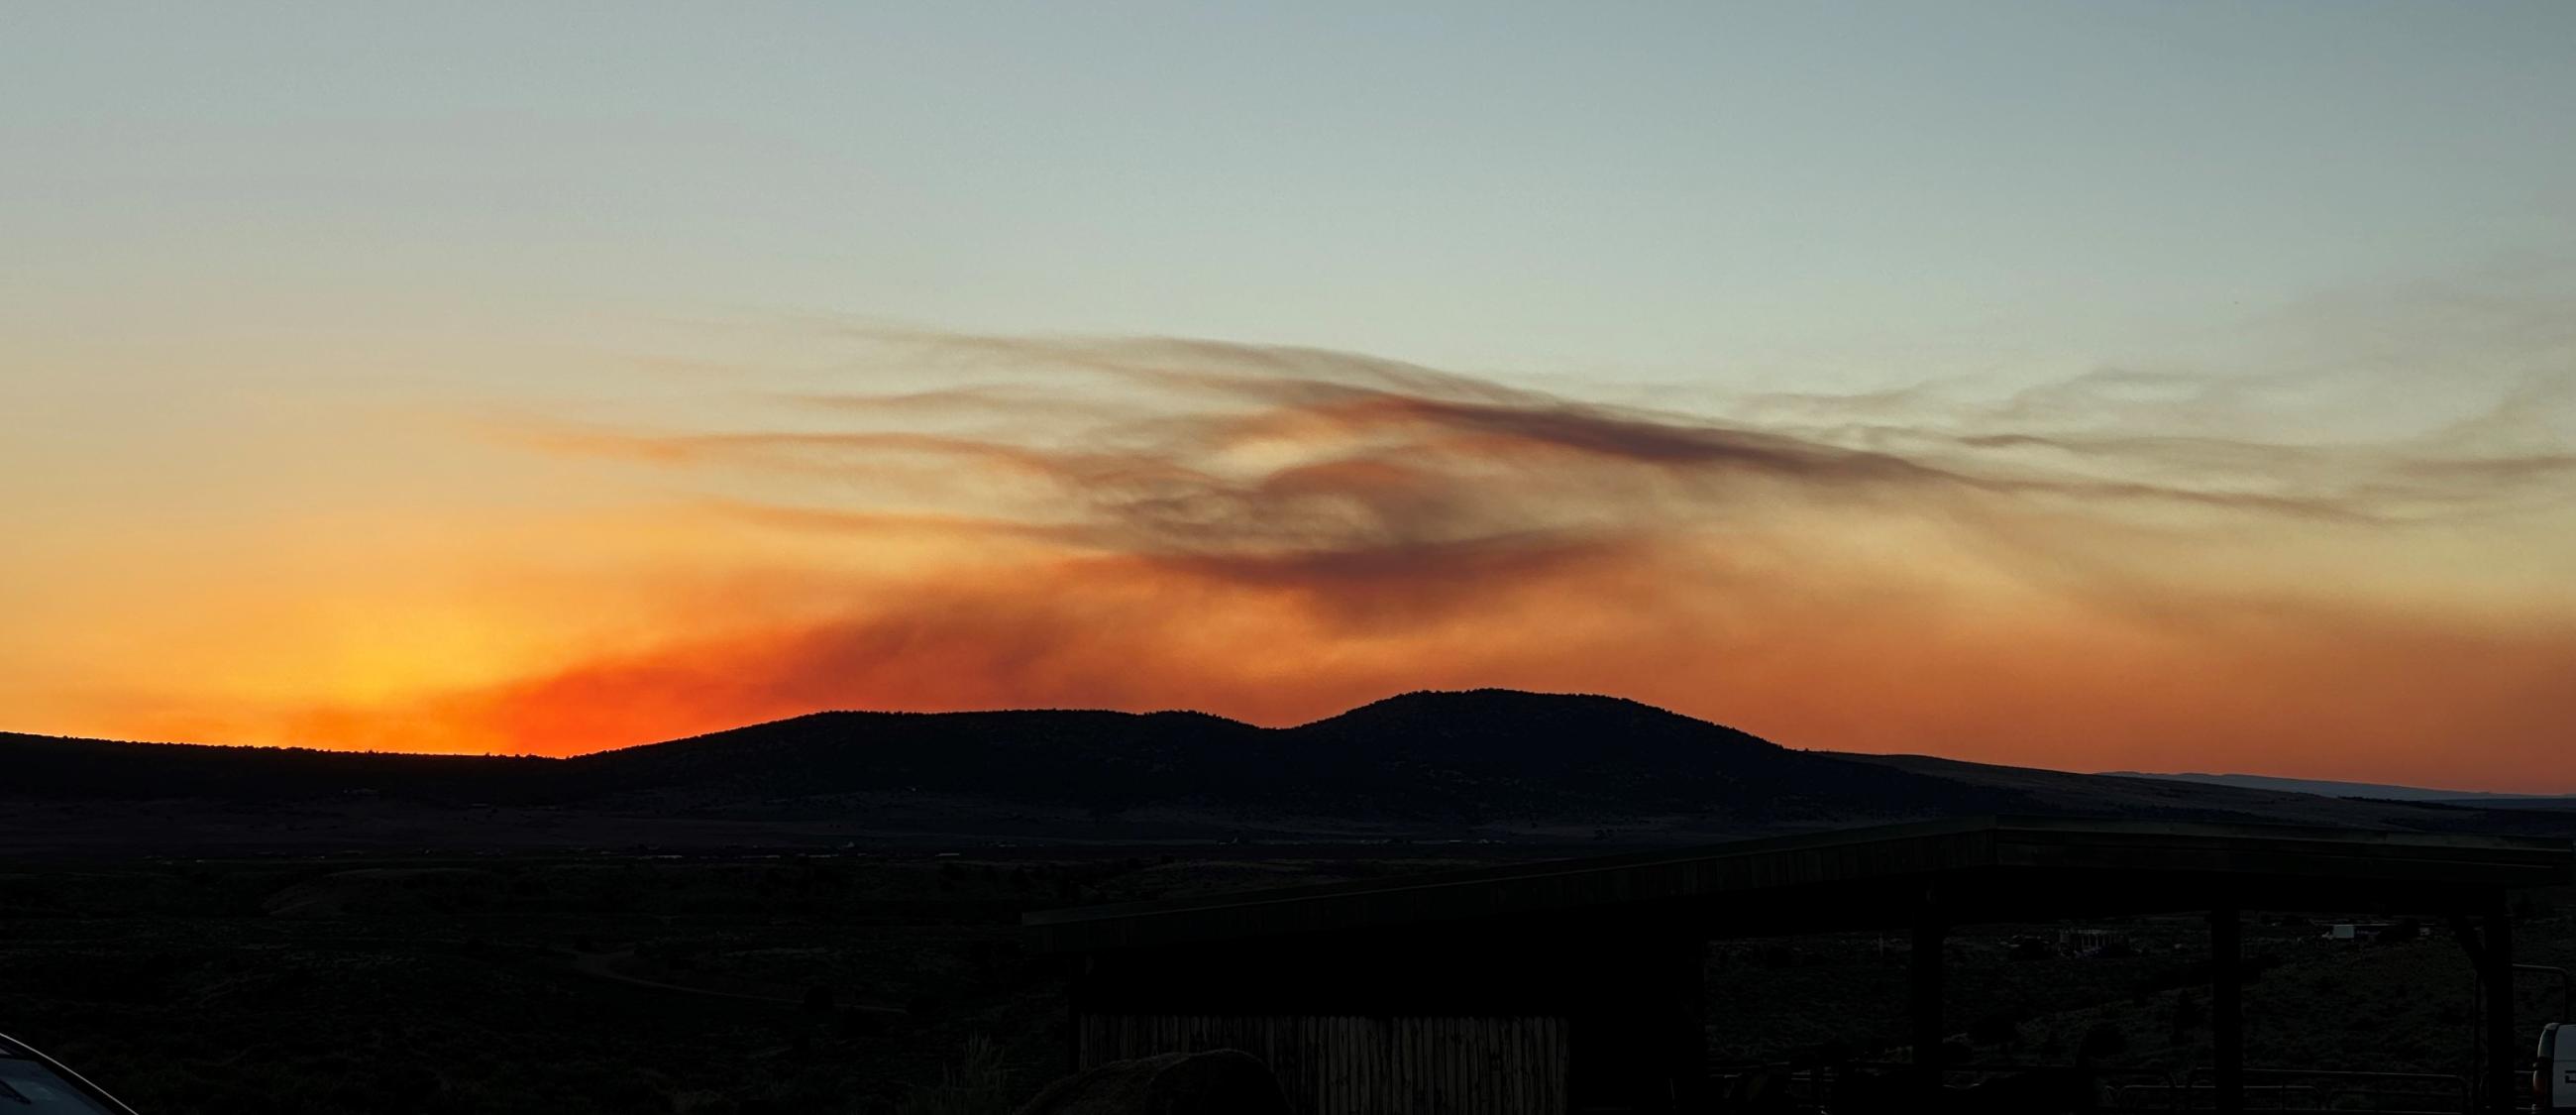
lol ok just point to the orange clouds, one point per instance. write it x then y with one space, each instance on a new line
1275 534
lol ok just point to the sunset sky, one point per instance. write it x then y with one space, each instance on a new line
2158 386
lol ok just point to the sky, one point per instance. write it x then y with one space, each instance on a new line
2157 386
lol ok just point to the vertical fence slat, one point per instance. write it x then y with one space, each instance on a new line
1358 1065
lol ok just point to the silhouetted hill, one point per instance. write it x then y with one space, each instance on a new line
55 767
2376 790
1087 758
1500 754
2064 793
1485 757
1488 763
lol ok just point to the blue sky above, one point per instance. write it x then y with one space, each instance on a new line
1839 194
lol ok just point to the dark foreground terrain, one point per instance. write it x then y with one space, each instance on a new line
821 915
603 984
896 983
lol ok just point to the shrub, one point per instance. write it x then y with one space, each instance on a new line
977 1084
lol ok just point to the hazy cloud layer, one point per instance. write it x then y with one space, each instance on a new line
2076 574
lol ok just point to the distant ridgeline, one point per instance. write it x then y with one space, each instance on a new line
1491 758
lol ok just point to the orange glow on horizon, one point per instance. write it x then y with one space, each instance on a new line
1279 535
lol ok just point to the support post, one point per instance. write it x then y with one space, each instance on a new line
2498 1077
1923 1003
1077 993
2227 1006
1691 1090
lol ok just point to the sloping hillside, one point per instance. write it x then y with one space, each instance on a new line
1487 764
1481 758
60 768
2063 793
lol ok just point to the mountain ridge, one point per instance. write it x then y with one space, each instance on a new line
2332 787
1472 764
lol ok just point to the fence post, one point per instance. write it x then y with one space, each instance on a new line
2227 1007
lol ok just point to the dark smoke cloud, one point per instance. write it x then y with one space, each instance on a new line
1217 448
1275 532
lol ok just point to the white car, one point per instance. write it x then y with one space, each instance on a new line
35 1084
2554 1083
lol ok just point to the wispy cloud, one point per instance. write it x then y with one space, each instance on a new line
2072 574
1232 443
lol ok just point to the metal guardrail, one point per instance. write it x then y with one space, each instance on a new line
2388 1093
1777 1087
